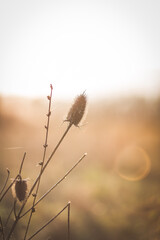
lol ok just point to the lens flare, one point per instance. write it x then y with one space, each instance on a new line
133 164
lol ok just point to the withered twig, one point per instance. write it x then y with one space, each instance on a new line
20 170
43 159
8 173
45 225
2 228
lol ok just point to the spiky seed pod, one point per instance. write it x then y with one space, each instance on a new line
20 189
77 110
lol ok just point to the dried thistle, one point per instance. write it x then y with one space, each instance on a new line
20 189
77 110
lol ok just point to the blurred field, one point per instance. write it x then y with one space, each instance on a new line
114 192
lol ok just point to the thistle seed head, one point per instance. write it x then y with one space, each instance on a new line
77 110
20 189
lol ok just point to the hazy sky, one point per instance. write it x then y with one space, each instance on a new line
107 47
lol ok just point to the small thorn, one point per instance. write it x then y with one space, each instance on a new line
46 127
48 114
45 145
34 195
49 98
40 163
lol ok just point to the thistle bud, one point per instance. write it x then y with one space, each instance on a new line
20 189
77 110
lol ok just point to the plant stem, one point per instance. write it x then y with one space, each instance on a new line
8 218
15 209
43 159
8 173
2 228
67 206
20 170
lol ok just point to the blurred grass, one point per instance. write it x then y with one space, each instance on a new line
104 204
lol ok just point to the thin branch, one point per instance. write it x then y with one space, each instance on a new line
43 159
8 173
20 170
2 228
14 208
68 204
49 159
57 146
8 218
69 208
55 185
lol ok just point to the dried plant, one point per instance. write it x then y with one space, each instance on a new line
77 110
20 189
19 186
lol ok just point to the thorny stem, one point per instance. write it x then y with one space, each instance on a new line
43 159
55 185
49 159
2 228
67 206
8 173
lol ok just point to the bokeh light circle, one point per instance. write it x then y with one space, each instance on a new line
133 163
